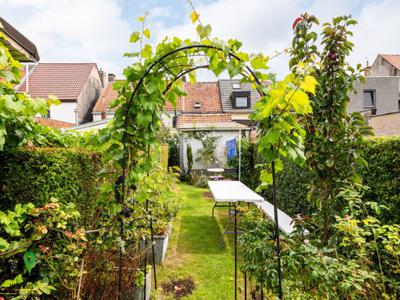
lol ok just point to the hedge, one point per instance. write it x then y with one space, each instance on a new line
382 176
37 174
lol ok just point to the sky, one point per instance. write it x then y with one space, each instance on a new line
98 30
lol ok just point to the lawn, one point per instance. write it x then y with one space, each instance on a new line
195 248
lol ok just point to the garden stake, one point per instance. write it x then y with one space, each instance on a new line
235 252
278 245
245 286
152 246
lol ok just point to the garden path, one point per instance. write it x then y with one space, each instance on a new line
194 249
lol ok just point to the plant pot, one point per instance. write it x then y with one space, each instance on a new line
160 246
138 293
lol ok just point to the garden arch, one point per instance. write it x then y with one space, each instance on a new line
161 65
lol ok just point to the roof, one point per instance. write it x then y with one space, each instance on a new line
64 80
225 88
393 59
107 95
207 121
21 40
207 93
54 123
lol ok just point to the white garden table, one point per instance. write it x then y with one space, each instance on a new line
232 192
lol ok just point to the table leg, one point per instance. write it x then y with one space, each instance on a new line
235 252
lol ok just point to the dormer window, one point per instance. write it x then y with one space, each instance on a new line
197 105
240 100
236 86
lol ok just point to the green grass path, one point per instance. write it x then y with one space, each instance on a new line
194 249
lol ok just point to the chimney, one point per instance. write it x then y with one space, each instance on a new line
184 78
102 75
111 77
367 69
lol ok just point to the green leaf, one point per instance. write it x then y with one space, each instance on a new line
135 36
259 62
146 51
29 260
146 33
10 282
272 136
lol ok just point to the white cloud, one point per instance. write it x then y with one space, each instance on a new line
377 31
266 25
73 30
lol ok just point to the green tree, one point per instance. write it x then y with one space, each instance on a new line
333 136
189 156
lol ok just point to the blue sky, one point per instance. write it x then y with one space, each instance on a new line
98 30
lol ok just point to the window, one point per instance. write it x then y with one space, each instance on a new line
241 102
236 86
240 99
369 98
197 105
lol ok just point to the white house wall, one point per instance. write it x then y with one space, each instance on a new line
220 152
64 112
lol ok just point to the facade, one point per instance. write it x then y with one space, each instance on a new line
379 94
77 85
379 97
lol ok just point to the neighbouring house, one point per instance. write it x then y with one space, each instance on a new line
379 97
102 109
238 99
196 129
77 85
199 117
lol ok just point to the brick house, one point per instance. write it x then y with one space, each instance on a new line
77 85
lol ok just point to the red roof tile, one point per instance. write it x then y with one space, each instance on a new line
202 118
107 95
54 123
206 93
64 80
393 59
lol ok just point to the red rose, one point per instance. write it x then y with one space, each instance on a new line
296 22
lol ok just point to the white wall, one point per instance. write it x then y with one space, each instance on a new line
63 112
220 151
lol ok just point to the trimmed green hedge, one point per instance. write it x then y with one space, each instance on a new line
35 175
382 176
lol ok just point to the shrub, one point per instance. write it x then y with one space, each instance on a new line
40 250
38 174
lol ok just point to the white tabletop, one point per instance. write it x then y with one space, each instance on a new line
215 170
232 191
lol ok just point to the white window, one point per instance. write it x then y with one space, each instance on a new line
241 102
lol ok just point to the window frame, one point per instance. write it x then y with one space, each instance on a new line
240 94
373 93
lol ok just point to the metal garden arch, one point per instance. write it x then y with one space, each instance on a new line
161 65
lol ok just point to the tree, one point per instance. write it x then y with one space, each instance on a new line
189 155
333 136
